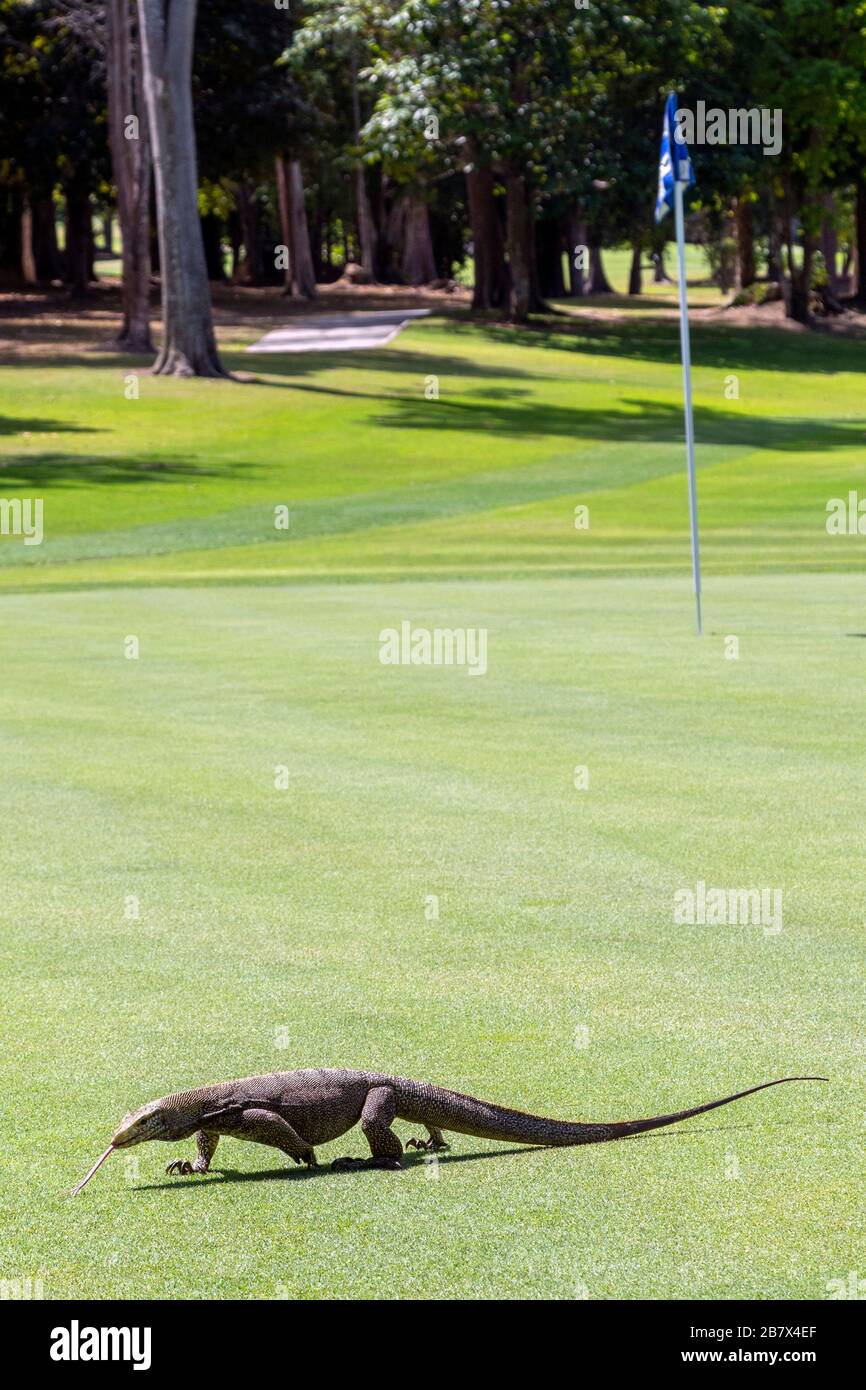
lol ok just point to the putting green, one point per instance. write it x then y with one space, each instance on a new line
291 927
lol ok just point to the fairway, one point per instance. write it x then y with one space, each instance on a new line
431 889
384 482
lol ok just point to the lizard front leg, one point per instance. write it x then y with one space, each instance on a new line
206 1142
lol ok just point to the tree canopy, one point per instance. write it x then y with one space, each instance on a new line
426 136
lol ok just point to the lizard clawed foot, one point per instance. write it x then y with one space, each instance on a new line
181 1166
427 1145
308 1157
350 1165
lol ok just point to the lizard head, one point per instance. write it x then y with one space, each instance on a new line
151 1121
147 1122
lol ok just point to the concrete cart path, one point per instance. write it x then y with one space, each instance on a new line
338 332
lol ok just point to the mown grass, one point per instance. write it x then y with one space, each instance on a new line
383 481
282 928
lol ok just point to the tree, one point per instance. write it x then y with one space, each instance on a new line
129 139
342 30
252 114
52 134
494 79
811 69
491 281
188 348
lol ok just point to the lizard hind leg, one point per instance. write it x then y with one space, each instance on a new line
261 1126
377 1116
434 1144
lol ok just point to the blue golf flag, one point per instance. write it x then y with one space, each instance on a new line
671 149
675 176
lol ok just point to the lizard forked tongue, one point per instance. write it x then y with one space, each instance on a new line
98 1164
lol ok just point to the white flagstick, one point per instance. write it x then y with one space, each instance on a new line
685 352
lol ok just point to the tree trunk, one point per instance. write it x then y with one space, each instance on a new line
799 306
551 283
849 262
367 238
634 276
78 236
321 247
523 295
153 232
366 226
130 157
211 235
28 256
188 344
830 243
774 244
303 275
860 234
660 274
10 235
798 288
488 248
236 241
576 238
91 250
598 281
745 244
282 179
417 264
392 241
44 230
249 213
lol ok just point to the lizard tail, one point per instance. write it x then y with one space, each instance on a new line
431 1105
623 1128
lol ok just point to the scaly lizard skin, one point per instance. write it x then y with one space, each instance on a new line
295 1111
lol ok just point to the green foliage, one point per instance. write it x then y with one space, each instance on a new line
53 121
569 98
811 65
722 256
496 77
248 107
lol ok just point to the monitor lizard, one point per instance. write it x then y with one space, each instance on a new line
295 1111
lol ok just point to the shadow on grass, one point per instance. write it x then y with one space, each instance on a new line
20 424
390 362
324 1170
756 348
69 355
247 366
417 1160
57 469
504 410
636 420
